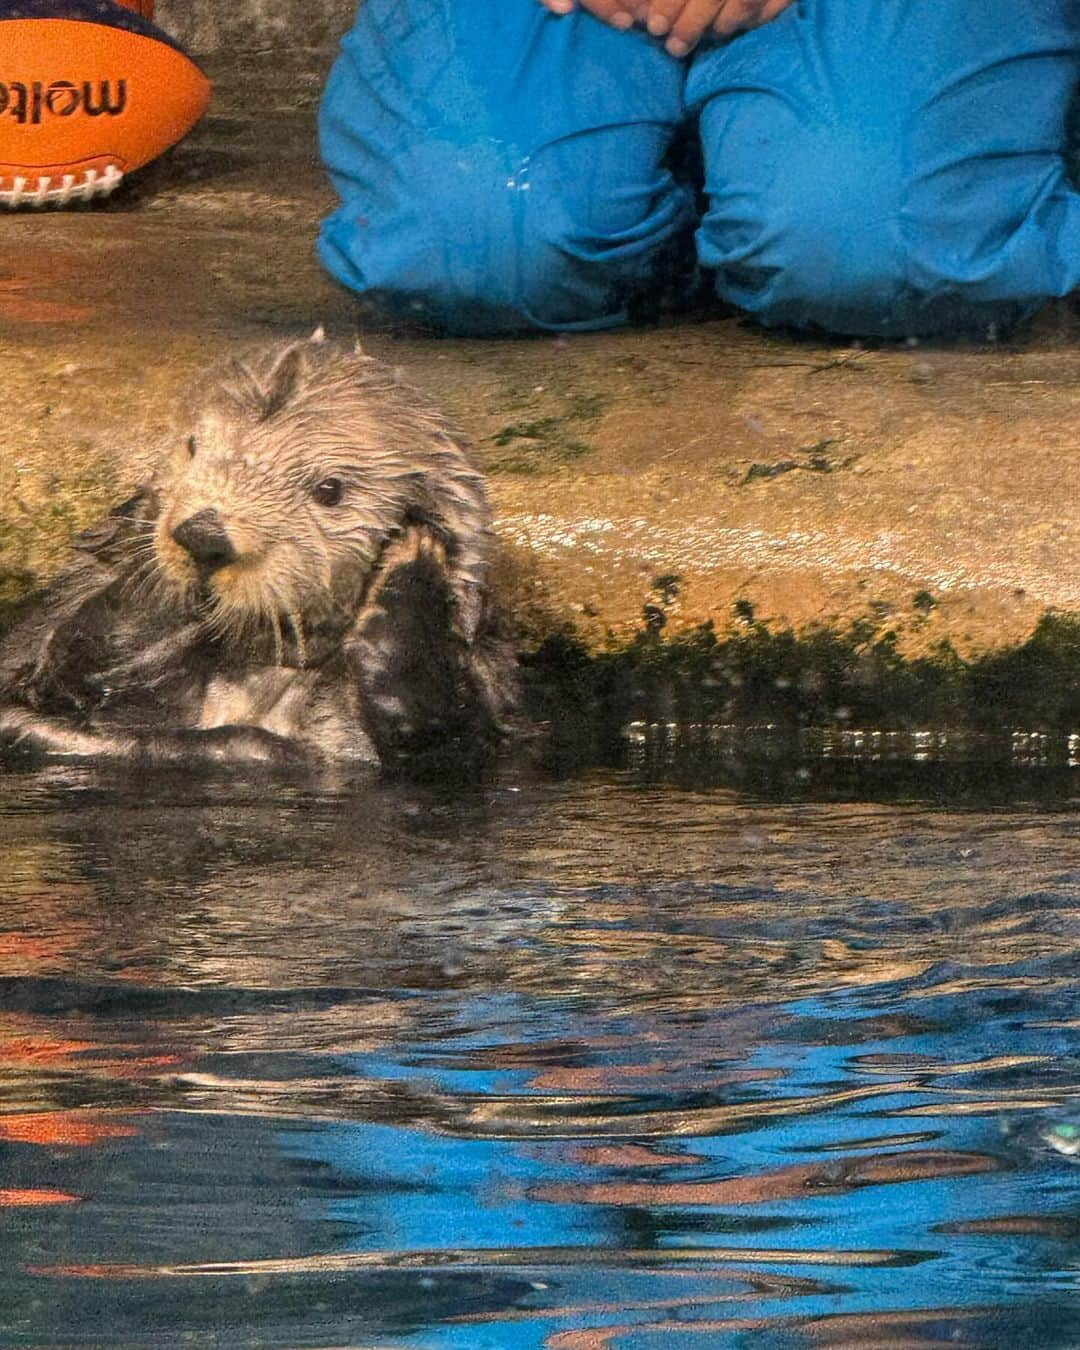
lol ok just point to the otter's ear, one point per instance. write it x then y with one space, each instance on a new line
267 394
244 387
284 377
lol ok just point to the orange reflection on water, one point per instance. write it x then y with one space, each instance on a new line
917 1330
782 1184
18 1199
631 1155
1011 1225
76 1129
19 1045
621 1077
26 953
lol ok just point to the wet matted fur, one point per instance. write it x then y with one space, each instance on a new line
305 575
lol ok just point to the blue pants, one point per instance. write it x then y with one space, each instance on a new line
873 167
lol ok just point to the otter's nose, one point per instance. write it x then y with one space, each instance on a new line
206 539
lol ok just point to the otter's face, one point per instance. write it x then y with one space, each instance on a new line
270 533
304 464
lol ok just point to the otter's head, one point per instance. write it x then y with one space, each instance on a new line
299 468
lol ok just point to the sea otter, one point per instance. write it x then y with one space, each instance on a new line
305 576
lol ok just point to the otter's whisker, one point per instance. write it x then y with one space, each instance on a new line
143 581
216 624
143 526
140 571
144 545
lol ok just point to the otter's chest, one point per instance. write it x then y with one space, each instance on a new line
299 705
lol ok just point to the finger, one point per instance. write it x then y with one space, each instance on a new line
774 8
767 11
688 28
661 14
617 13
739 15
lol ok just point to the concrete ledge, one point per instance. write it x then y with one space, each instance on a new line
206 27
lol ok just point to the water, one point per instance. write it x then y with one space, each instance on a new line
657 1056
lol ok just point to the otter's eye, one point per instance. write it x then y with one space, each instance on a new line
191 447
329 492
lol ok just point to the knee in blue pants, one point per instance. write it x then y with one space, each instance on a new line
522 185
458 248
892 170
492 242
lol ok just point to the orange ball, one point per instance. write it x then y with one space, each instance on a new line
85 100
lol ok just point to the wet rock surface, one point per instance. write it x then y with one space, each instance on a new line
933 488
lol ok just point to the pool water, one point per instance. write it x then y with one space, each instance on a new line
621 1060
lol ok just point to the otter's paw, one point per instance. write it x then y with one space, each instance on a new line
238 745
25 733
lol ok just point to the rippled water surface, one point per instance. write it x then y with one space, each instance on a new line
620 1062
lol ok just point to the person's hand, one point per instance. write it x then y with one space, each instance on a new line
683 22
621 14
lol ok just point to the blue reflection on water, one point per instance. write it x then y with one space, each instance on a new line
425 1192
595 1070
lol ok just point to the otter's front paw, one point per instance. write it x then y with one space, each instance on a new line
25 733
239 745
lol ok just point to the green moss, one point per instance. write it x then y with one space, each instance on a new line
37 523
1036 684
17 589
854 675
543 441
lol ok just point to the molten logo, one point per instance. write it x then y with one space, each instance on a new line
34 103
